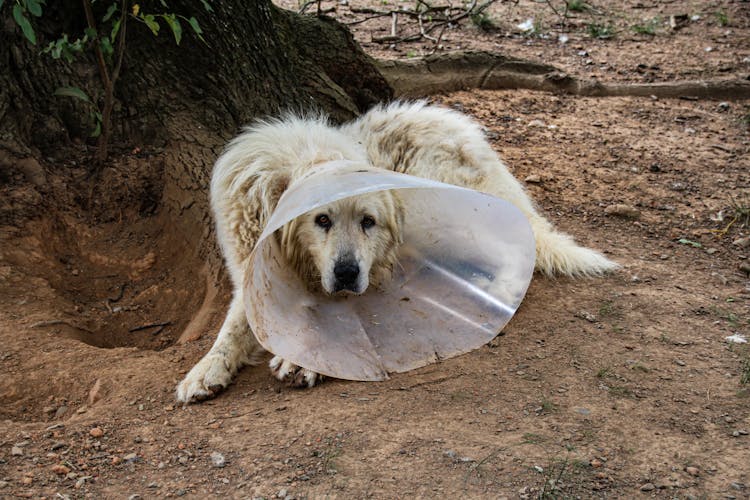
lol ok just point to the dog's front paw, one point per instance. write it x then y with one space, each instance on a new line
294 375
207 379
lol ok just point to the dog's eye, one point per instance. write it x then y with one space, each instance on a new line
367 222
323 221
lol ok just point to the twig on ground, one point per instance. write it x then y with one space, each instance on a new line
159 326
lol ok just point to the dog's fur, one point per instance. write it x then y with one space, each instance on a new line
413 138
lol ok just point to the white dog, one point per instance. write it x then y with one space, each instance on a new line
351 244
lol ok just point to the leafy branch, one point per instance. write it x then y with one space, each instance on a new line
107 40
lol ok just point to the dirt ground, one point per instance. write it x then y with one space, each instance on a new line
618 387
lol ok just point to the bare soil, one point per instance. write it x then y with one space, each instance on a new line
618 387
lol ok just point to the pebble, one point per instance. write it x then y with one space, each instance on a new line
679 362
130 457
596 463
16 451
723 106
281 493
537 123
622 210
533 179
648 487
745 268
60 469
742 242
96 432
217 459
693 471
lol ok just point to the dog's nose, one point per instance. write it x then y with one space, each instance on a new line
346 273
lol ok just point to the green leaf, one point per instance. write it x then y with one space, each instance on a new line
90 33
110 12
115 30
175 25
196 27
24 24
107 48
97 131
151 23
686 241
34 7
207 6
72 92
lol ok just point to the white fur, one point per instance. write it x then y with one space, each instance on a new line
414 138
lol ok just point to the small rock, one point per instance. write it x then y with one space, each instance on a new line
27 480
711 251
94 395
60 469
679 362
61 411
281 493
596 463
648 487
742 242
96 432
622 210
537 123
218 460
3 484
135 496
693 471
130 457
16 451
723 106
587 316
745 267
738 486
533 179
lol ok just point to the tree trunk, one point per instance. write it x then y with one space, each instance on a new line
175 109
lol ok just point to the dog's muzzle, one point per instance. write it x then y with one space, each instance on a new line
346 273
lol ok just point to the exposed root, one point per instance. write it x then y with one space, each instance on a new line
454 71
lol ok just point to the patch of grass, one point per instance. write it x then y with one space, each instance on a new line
531 438
604 372
741 208
608 309
722 18
664 338
745 369
553 473
647 28
602 31
578 6
640 368
483 21
620 391
548 406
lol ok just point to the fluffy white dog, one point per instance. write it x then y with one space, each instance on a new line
351 244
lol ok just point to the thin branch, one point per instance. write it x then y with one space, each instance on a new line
97 46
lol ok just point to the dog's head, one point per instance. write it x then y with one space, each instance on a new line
347 245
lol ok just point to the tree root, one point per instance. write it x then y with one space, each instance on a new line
485 70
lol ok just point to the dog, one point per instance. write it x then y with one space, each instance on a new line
349 245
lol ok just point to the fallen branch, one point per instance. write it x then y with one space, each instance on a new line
454 71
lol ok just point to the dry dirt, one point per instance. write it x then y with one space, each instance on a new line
617 387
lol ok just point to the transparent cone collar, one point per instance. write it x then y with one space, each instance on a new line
464 267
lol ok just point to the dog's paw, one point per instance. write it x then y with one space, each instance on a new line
207 379
292 374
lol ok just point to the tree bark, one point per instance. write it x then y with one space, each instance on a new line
257 60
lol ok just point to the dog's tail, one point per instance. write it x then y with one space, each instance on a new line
558 254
